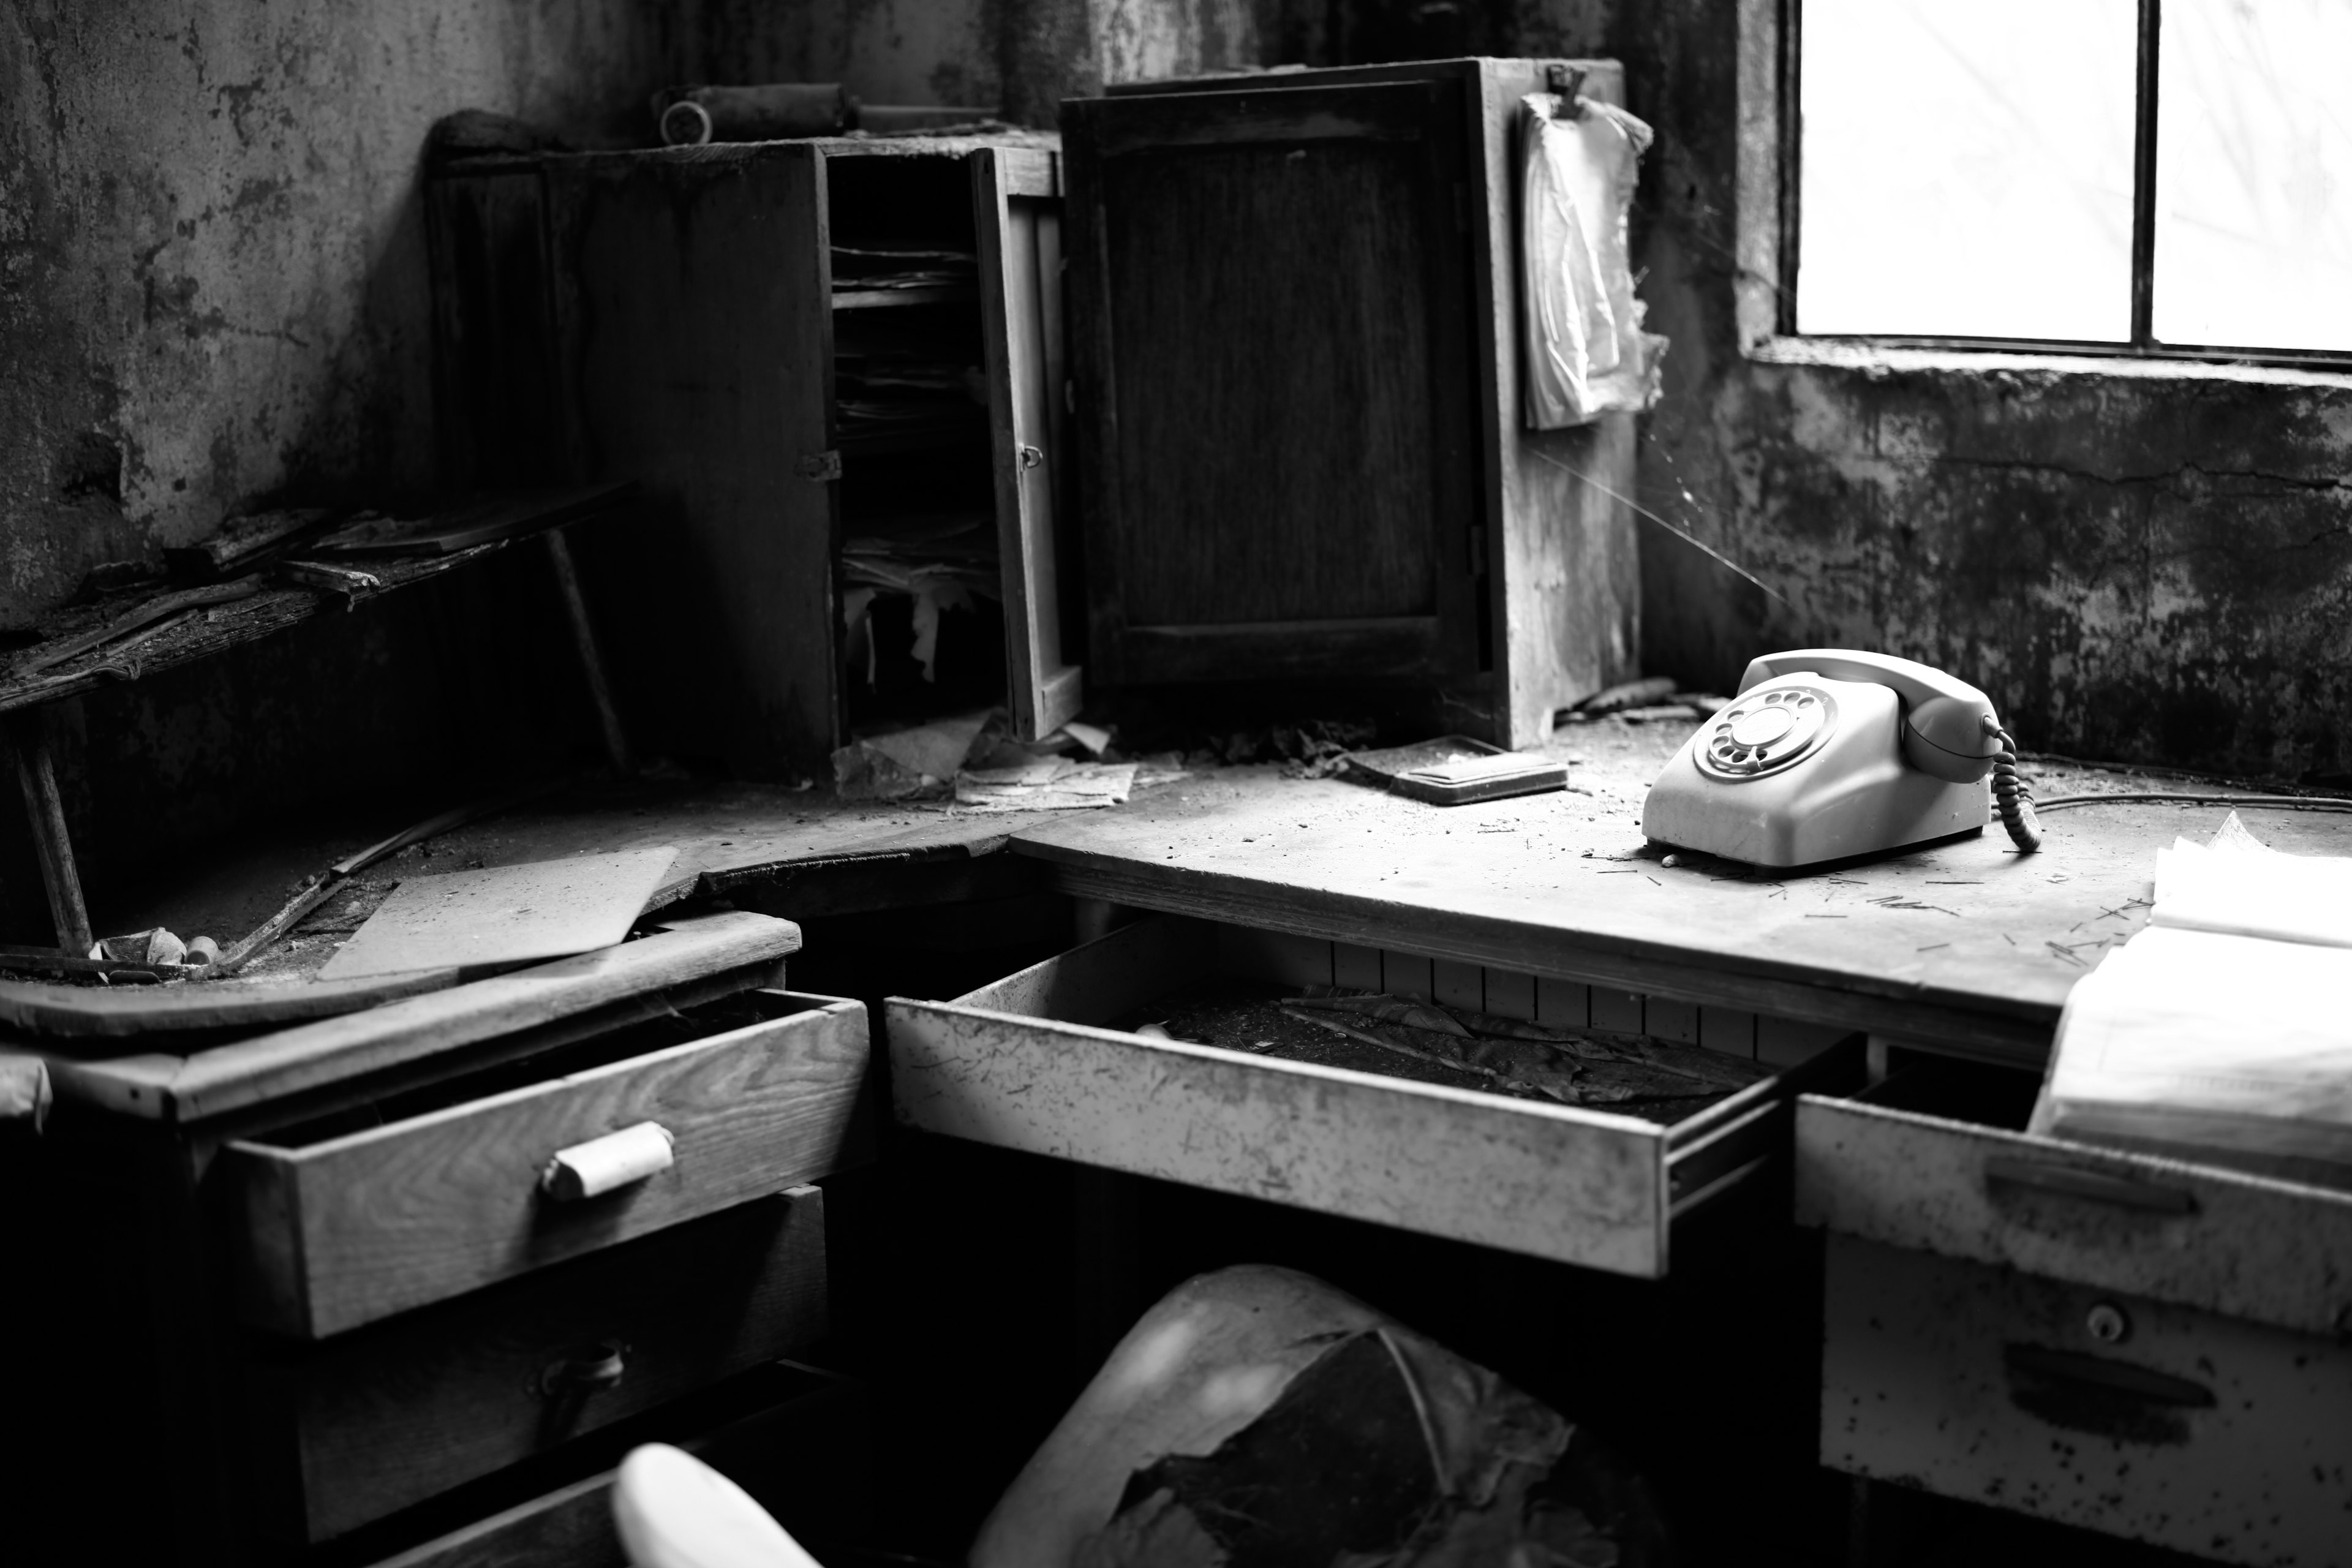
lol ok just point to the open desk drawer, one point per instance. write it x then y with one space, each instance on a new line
1025 1064
1927 1161
338 1227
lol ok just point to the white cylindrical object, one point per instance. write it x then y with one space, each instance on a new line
588 1170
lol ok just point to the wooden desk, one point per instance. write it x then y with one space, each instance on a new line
1969 948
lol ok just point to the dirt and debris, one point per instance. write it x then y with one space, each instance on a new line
1406 1037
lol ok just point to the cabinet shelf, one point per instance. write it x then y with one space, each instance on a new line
928 294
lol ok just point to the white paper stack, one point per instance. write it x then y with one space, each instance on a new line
2224 1030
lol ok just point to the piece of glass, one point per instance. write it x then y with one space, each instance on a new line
1966 168
2254 174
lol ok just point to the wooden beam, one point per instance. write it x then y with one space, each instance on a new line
37 773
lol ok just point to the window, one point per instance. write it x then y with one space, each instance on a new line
2150 176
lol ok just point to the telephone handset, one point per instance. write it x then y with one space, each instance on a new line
1830 752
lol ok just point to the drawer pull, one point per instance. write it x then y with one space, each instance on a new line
601 1164
594 1370
2111 1398
2092 1186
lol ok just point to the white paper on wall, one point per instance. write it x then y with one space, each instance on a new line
1585 352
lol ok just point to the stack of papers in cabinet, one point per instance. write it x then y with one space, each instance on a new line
2223 1031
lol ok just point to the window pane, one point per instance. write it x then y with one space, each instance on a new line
2254 174
1965 167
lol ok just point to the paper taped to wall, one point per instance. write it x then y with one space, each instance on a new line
1585 351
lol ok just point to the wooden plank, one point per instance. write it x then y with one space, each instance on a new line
1567 587
336 1050
2246 1246
344 1232
504 914
1784 1043
1579 1187
1563 1001
1618 1010
692 313
2199 1433
495 356
1299 513
1729 1030
1356 968
1020 254
381 1419
1274 955
45 811
1407 975
1459 984
1103 978
1670 1020
79 1018
1510 995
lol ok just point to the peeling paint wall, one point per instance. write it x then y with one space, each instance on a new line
212 267
2148 569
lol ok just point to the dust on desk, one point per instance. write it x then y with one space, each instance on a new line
1402 1037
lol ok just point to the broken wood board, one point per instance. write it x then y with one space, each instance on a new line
115 1013
716 954
505 915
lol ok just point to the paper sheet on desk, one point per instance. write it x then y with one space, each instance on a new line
2237 885
2222 1030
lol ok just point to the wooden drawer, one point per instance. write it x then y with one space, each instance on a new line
374 1421
1023 1064
337 1228
2195 1235
2116 1411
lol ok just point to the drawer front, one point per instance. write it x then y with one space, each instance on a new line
345 1232
359 1427
2246 1246
2133 1418
1021 1065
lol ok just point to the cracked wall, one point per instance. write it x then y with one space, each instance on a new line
212 270
2134 567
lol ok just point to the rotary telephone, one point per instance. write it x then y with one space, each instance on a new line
1828 753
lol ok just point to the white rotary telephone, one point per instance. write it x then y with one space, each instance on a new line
1828 753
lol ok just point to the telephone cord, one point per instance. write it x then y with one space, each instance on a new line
2010 795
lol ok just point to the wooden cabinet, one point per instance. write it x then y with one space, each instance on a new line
1289 400
1303 456
834 367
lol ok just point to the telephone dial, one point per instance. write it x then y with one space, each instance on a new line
1828 753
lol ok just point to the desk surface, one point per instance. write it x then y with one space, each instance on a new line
1969 946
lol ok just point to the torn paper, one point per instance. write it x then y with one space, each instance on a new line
1585 352
1052 784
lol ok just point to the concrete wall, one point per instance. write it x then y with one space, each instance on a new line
2150 569
212 265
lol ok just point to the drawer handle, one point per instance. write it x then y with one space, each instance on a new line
2092 1186
594 1370
2110 1398
598 1166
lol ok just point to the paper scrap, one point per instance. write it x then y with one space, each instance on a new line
1052 784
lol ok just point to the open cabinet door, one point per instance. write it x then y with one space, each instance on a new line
1017 198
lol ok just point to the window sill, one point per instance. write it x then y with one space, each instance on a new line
1863 354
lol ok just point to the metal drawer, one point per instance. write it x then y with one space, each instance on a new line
338 1231
349 1431
2195 1235
2115 1411
1021 1065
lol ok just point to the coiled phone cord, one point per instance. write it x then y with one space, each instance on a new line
2010 793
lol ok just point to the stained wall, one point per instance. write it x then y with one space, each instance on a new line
2146 567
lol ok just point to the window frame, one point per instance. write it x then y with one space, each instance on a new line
1771 229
